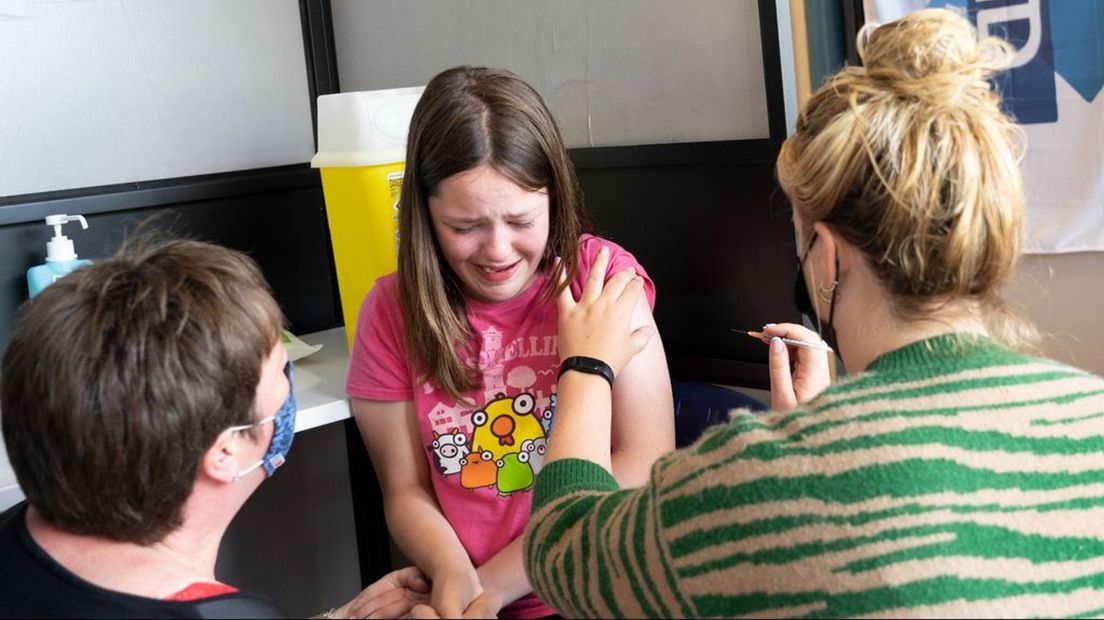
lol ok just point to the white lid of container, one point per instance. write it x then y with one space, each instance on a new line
364 128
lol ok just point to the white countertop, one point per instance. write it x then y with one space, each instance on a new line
319 394
320 381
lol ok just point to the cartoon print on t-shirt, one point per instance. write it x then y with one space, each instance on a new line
504 448
535 448
478 469
505 434
504 423
546 417
450 449
514 473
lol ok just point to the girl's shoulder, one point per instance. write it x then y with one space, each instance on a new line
380 305
620 258
384 292
590 244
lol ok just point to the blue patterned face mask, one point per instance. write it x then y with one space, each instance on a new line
281 435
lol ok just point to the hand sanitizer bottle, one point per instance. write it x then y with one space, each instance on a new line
60 256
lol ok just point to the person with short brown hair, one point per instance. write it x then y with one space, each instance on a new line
143 399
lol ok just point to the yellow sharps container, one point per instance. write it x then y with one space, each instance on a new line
361 148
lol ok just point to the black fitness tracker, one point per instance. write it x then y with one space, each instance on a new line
588 365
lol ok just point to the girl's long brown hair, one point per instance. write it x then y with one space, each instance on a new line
469 117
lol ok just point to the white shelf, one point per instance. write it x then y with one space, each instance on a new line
319 394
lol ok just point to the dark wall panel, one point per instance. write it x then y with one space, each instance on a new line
718 241
284 231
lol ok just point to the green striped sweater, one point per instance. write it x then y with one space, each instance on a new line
953 478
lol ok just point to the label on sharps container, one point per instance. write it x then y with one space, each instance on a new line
394 185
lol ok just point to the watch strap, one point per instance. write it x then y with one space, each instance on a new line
589 365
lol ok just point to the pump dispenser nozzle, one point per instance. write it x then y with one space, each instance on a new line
60 248
60 256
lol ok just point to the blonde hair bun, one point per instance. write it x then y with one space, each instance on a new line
932 55
911 160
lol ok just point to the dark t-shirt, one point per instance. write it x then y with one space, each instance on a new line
33 585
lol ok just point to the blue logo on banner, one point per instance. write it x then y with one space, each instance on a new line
1064 37
1079 58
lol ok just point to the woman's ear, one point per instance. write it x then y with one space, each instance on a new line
220 462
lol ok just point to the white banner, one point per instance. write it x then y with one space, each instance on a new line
1054 90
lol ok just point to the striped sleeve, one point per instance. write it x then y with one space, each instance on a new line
594 551
977 490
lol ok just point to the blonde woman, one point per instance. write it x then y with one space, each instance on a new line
949 476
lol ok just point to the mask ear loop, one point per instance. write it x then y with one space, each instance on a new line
812 276
816 315
821 293
831 323
238 475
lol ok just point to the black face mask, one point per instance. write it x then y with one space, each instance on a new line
805 304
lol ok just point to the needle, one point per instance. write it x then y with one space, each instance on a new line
815 346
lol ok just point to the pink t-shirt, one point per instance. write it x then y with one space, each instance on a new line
483 459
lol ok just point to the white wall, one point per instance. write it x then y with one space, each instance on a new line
1063 294
114 91
613 72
